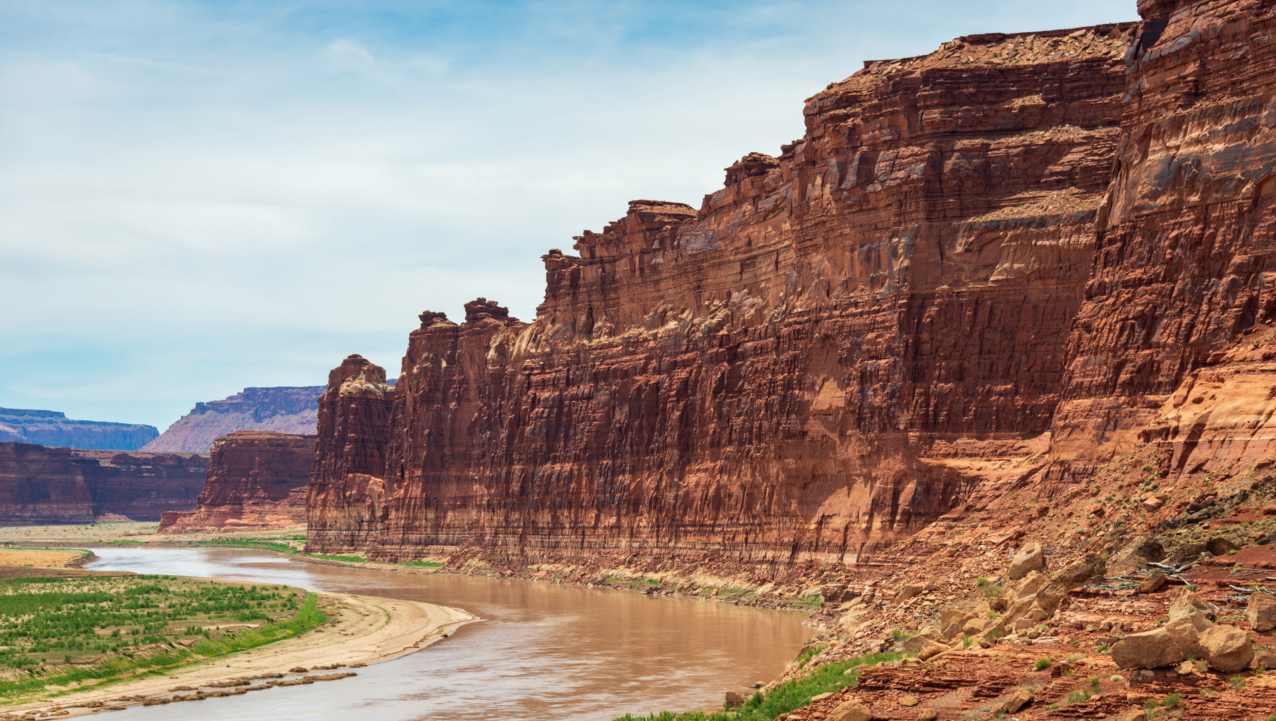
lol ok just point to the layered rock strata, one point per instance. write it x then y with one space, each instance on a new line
53 428
1184 264
62 485
256 480
820 360
293 411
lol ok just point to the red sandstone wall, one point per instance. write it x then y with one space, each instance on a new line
1185 261
62 485
256 480
788 372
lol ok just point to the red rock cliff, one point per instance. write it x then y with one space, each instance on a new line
346 483
1185 263
256 480
62 485
808 365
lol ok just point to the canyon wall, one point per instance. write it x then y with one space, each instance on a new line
63 485
256 480
823 358
293 411
1185 265
52 428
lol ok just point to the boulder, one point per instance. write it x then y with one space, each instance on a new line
851 710
909 591
930 651
954 622
1074 576
734 699
1153 504
907 700
974 627
1229 648
1220 546
1152 583
1152 649
1186 631
1029 559
1262 612
1020 698
1135 554
1137 714
1186 553
1265 656
927 714
1185 602
915 644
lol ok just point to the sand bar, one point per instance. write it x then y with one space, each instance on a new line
360 630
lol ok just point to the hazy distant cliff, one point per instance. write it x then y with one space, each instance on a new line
63 485
51 428
282 410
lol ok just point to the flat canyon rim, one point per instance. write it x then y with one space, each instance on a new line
542 650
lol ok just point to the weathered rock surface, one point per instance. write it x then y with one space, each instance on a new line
1261 612
1229 648
815 363
256 480
293 411
41 485
52 428
1151 649
1030 558
347 486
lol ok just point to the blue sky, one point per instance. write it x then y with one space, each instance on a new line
196 197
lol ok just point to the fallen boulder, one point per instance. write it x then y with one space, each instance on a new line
1186 631
1229 648
1151 649
1220 546
851 710
1029 559
1261 612
1152 583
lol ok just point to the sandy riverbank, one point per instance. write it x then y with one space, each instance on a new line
360 630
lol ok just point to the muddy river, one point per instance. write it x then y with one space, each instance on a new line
542 651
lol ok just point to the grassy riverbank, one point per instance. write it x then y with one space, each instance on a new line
786 697
59 633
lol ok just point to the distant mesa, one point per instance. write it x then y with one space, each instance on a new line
288 410
51 428
293 411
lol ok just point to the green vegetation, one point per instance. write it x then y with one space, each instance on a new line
329 557
59 631
808 654
1042 664
428 564
269 545
784 698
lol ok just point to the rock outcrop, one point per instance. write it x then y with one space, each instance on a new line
292 411
256 480
817 362
52 428
63 485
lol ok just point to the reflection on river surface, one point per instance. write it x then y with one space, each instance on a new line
543 651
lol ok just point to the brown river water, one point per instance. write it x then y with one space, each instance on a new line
542 651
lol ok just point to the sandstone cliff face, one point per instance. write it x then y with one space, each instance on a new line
52 428
1184 262
809 365
63 485
281 410
256 480
346 480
